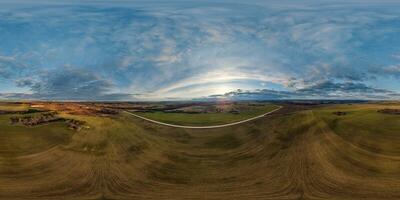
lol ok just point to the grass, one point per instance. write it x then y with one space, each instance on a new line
207 119
13 107
228 141
19 139
365 127
310 154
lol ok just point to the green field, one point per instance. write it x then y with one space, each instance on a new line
13 107
306 154
207 119
365 127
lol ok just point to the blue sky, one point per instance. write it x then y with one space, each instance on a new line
159 50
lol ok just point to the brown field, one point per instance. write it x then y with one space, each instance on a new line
300 152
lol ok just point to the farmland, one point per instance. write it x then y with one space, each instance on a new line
242 112
332 151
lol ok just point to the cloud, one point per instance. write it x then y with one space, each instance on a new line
322 90
393 70
10 67
70 84
24 82
265 94
328 88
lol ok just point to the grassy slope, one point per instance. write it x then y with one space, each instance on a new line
207 119
303 155
365 127
19 140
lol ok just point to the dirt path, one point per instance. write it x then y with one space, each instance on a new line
203 127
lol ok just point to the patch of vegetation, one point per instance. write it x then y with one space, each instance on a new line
107 111
390 111
29 111
340 113
74 124
46 118
34 120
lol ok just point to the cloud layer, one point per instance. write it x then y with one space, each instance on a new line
323 90
183 50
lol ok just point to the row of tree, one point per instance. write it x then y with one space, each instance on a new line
33 120
44 118
390 111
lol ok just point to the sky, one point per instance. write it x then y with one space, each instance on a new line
180 50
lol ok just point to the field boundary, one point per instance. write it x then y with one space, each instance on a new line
203 127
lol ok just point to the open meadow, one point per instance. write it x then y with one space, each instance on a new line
335 151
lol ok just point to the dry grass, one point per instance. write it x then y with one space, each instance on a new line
299 155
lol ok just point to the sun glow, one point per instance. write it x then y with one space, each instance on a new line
222 89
